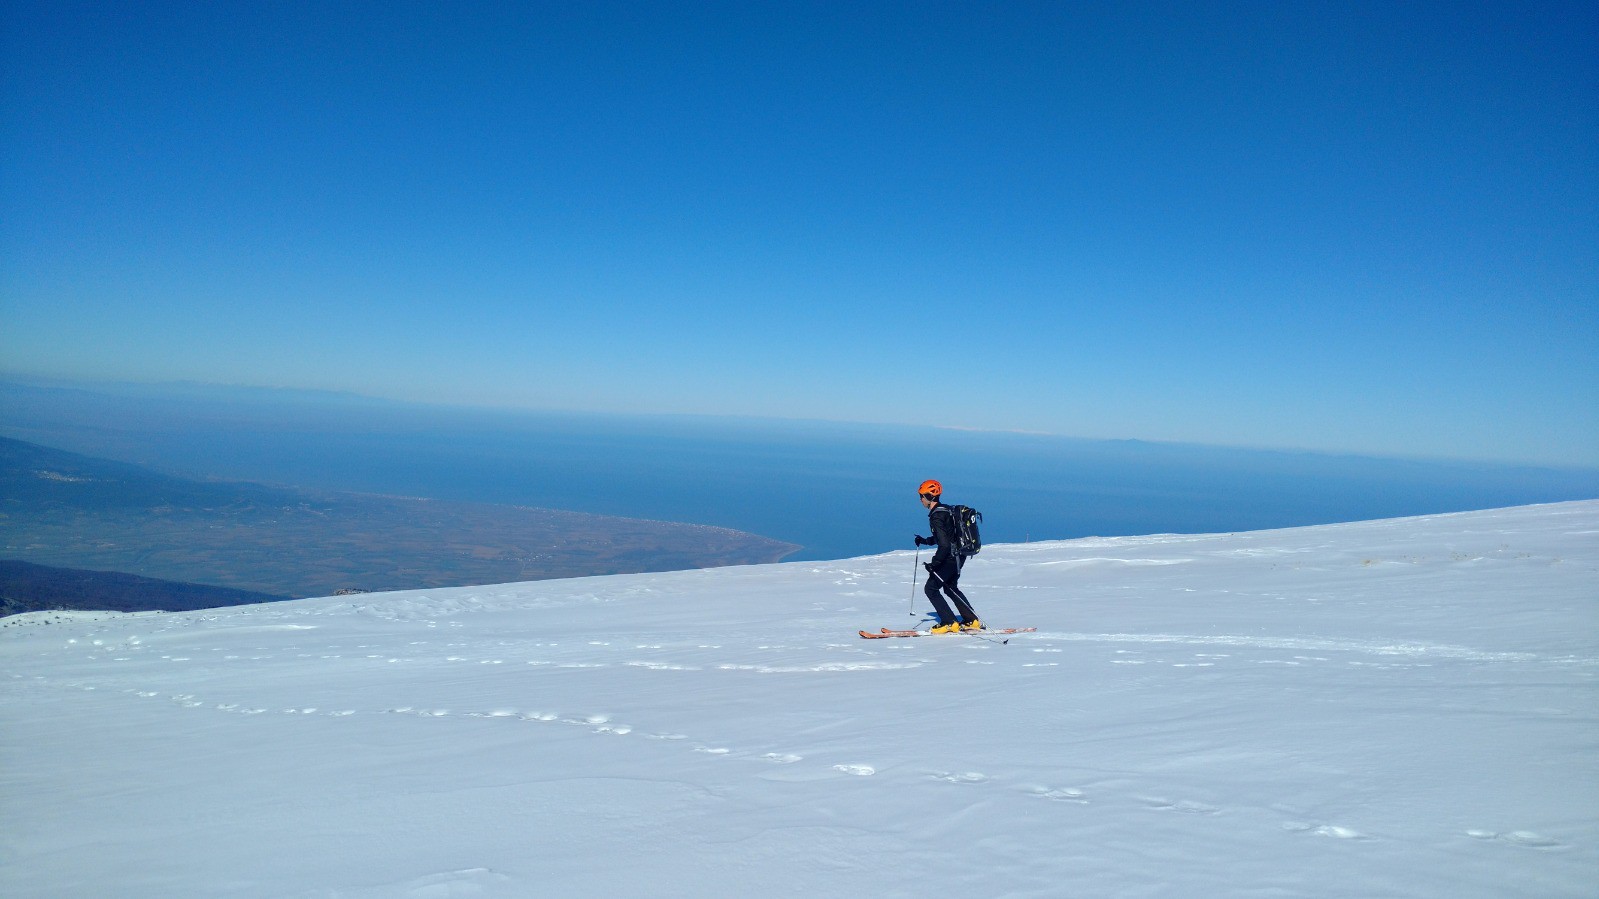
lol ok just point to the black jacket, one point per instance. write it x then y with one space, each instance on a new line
942 520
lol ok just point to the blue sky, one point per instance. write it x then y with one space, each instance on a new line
1342 227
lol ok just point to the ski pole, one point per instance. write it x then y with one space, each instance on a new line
915 565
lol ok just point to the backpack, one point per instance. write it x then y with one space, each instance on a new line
968 541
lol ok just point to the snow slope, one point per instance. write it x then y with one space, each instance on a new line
1392 708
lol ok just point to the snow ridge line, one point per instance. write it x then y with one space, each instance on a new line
1415 650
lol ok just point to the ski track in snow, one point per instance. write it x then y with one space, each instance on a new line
601 724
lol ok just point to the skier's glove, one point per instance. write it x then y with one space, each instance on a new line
928 566
925 541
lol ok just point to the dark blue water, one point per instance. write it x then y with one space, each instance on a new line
836 490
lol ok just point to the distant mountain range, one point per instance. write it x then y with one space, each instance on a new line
79 512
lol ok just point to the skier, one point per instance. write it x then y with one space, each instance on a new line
944 571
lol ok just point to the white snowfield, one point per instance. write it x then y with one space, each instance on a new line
1383 709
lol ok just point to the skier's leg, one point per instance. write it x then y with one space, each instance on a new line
949 580
962 606
940 607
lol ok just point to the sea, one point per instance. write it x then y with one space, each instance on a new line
834 490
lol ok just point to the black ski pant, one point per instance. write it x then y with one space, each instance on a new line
945 581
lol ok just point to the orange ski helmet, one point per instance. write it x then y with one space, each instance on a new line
931 488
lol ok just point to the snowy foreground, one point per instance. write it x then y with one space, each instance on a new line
1395 708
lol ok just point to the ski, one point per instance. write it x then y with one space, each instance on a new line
885 632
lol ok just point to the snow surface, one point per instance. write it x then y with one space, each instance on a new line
1393 708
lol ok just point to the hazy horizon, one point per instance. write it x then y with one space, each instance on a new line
837 489
269 393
